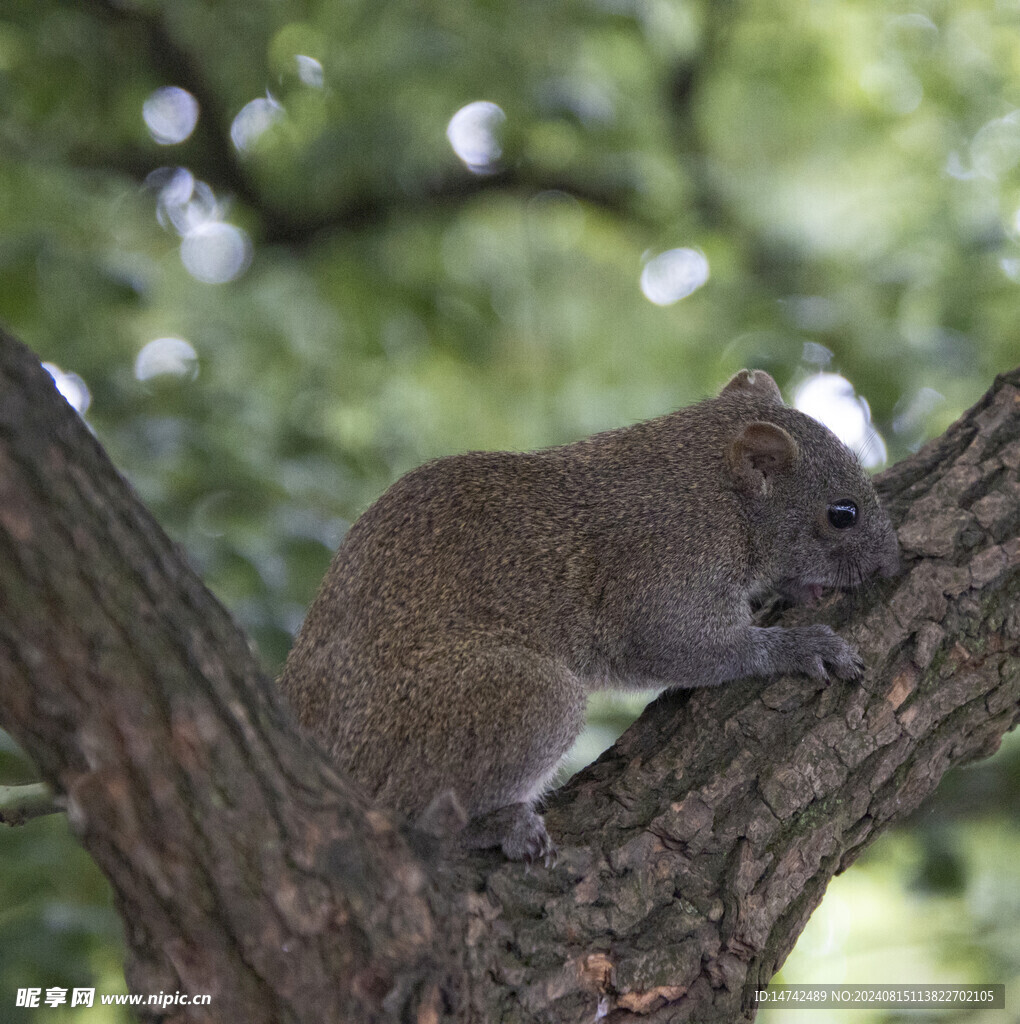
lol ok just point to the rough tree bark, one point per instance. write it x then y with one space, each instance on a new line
692 853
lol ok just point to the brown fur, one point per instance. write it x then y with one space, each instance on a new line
471 610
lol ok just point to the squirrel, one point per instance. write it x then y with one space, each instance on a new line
470 611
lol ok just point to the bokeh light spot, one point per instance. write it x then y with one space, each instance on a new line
71 386
473 134
166 357
673 275
253 120
184 203
170 114
215 253
830 399
309 71
995 149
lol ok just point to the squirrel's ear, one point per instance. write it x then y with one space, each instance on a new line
756 382
761 452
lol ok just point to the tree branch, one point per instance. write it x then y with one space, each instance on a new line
242 865
19 804
698 846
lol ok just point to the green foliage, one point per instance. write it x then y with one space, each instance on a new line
58 927
871 929
850 170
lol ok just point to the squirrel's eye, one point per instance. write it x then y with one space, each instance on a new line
842 514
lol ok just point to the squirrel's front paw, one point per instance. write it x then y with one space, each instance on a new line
824 651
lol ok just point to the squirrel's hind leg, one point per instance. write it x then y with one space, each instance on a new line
518 830
512 713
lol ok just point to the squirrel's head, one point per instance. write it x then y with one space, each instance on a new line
812 509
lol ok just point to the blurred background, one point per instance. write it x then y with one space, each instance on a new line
277 252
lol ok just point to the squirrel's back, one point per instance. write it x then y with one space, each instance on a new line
520 547
512 539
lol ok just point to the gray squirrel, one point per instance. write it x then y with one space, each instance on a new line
470 611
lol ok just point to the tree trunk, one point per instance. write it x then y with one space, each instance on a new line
691 854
